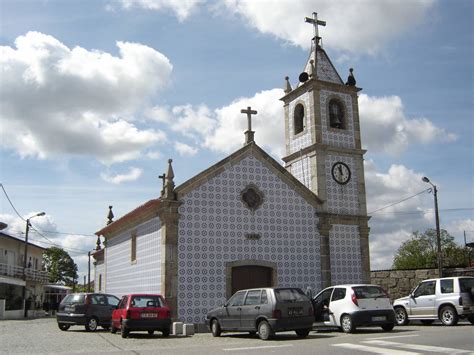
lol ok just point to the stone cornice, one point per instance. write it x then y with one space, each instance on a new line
323 147
315 84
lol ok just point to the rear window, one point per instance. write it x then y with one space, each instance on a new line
146 301
362 292
466 285
73 299
447 286
289 295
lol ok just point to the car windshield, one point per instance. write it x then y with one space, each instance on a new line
466 285
73 299
147 301
362 292
288 295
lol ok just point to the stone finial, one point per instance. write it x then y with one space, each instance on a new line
287 85
351 81
110 216
312 70
169 183
97 244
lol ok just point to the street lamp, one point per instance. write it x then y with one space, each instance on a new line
26 258
438 236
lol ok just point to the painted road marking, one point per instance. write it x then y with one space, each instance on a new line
433 349
394 336
258 347
373 349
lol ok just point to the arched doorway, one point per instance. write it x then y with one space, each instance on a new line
250 274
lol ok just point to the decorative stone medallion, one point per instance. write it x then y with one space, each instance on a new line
252 197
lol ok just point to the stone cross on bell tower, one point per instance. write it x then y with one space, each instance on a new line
249 134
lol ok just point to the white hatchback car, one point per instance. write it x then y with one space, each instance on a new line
351 306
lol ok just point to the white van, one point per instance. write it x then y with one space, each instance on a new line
351 306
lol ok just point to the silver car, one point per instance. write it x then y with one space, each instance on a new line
447 299
263 310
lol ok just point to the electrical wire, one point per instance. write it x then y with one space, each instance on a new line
396 203
36 230
11 204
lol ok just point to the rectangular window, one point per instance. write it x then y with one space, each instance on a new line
100 282
447 286
134 247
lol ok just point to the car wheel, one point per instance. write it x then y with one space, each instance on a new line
346 324
448 316
124 333
471 319
113 330
63 327
91 324
388 327
166 332
215 328
302 333
265 332
401 316
427 321
150 332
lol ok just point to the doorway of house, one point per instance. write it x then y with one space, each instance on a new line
251 276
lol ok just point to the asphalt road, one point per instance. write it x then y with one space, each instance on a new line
42 336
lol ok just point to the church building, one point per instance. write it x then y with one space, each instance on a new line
248 221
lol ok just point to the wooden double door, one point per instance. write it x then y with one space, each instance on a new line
250 276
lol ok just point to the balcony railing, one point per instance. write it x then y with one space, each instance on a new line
17 272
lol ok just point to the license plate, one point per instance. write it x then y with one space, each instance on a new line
148 315
295 312
377 319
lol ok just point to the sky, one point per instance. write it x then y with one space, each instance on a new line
96 96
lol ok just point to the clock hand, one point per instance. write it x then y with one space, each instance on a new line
340 170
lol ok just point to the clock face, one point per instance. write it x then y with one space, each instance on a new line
341 173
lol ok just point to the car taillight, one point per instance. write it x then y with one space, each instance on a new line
168 314
276 313
354 298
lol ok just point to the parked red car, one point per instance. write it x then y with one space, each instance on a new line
145 312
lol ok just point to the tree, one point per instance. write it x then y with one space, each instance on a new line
60 266
421 251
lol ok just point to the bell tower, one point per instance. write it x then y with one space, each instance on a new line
323 151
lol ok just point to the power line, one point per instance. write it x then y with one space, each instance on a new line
418 212
33 228
11 204
396 203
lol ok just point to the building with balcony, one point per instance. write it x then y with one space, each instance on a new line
13 277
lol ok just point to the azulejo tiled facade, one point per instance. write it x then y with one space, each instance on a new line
212 230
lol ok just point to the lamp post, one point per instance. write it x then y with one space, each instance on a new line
438 235
25 261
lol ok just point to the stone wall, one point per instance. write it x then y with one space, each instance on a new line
399 283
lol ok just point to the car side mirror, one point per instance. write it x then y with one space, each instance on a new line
412 295
225 305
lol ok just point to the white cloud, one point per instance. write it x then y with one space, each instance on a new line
393 225
376 21
386 129
132 175
58 101
181 8
185 150
268 124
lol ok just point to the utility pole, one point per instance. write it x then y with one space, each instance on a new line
25 260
